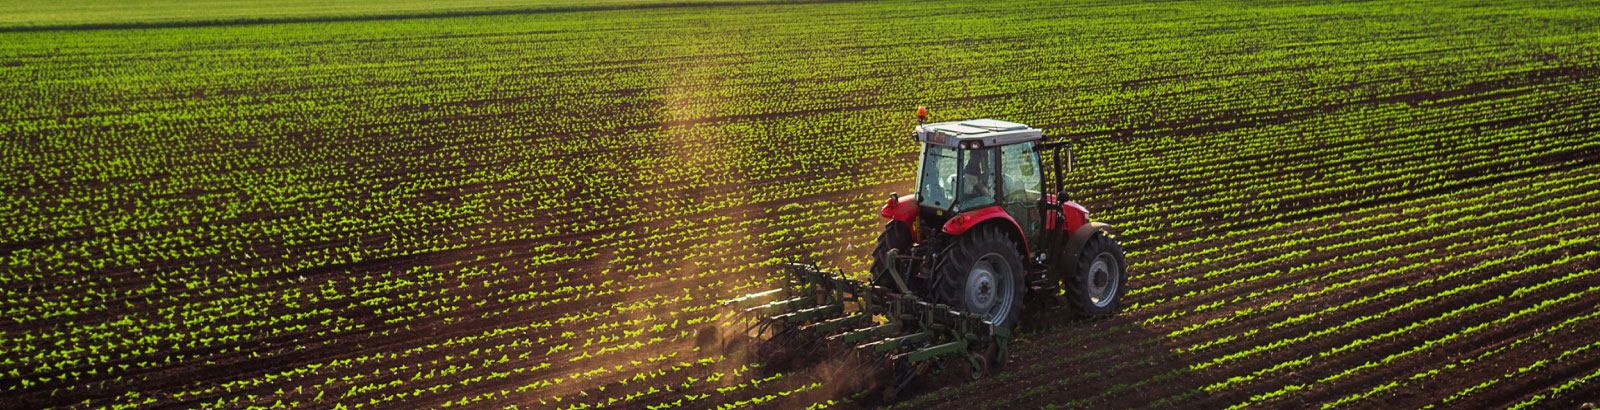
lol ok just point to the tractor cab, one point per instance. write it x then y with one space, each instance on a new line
969 165
980 231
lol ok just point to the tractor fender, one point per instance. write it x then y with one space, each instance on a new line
993 214
1075 215
1083 233
1071 214
903 209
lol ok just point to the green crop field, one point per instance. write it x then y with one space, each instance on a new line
544 203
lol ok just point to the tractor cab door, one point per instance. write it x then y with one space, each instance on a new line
1021 188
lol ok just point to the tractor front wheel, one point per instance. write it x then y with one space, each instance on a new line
982 273
896 235
1096 288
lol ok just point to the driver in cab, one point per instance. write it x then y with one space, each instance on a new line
977 180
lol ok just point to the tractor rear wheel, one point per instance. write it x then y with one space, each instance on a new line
1096 288
982 273
896 235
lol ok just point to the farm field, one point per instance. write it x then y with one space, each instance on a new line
1383 204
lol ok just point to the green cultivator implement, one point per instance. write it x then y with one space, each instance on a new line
890 330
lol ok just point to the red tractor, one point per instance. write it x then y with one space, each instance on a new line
981 235
955 263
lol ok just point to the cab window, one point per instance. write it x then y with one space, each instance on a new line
1020 170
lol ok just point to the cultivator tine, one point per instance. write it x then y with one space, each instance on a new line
870 333
895 343
754 296
832 325
926 353
809 314
901 374
783 306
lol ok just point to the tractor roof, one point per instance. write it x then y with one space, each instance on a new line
976 133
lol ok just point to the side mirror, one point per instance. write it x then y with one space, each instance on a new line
1070 146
